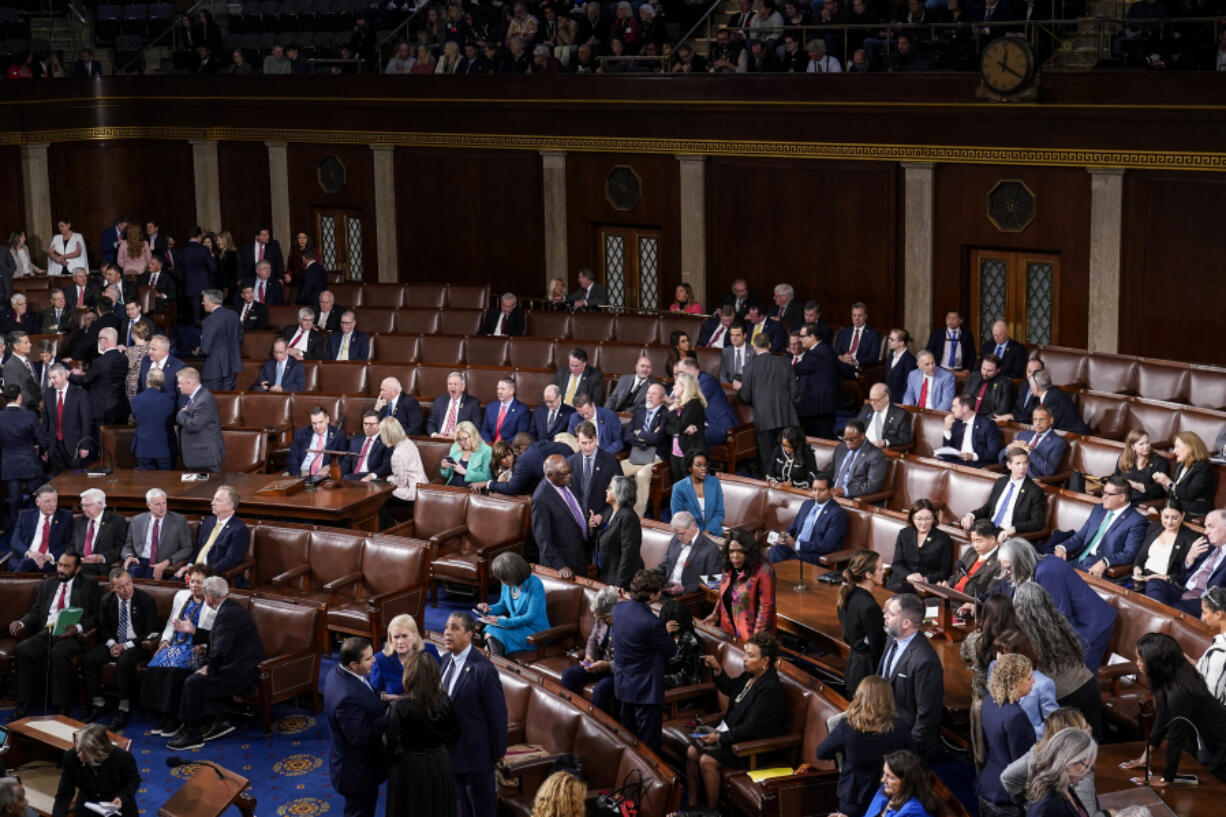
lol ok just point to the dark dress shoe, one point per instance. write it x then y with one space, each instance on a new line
120 720
185 739
220 728
95 714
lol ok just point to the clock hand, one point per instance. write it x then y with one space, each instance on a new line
1005 66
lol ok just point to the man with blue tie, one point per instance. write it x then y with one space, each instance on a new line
976 439
506 416
1016 503
282 373
357 718
859 466
1012 355
953 346
1111 536
393 402
552 416
647 443
819 528
1045 447
473 685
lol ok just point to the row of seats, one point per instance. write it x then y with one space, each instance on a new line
133 19
1168 380
289 16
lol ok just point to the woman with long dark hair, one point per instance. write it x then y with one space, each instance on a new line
793 464
746 602
1164 548
420 727
871 730
860 617
679 346
906 790
978 651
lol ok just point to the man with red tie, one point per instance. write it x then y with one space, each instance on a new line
305 341
264 284
66 422
714 331
505 320
989 388
305 454
262 248
98 534
41 533
370 459
857 345
506 416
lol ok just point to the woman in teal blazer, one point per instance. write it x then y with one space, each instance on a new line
471 454
709 512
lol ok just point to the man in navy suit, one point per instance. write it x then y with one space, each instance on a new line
357 719
1205 567
1026 401
265 286
642 645
1012 355
20 466
607 424
319 435
349 343
817 382
552 416
977 439
262 249
66 422
756 323
720 416
252 314
453 408
221 343
163 283
647 443
714 331
305 340
314 280
223 539
529 467
153 411
281 372
819 527
1045 447
506 416
504 320
1064 414
475 689
42 533
952 346
929 386
858 345
592 469
118 232
393 402
1111 536
197 268
559 524
98 534
992 11
370 456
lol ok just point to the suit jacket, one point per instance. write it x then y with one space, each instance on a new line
481 707
110 236
646 441
749 300
235 650
196 267
593 298
110 531
257 316
19 432
16 372
158 245
470 409
1196 488
378 458
624 397
515 322
1064 414
866 474
274 295
591 498
869 350
1091 616
641 645
935 560
918 681
896 429
200 442
1174 568
221 342
314 281
1118 546
144 617
773 330
49 324
518 418
985 440
896 374
330 323
767 384
72 294
542 430
618 546
529 469
705 559
997 397
1012 361
1044 460
791 315
170 368
1029 508
558 534
720 416
357 719
316 349
359 345
304 438
166 286
293 379
708 329
104 382
943 385
727 361
591 383
608 429
153 412
115 777
984 578
76 420
85 594
829 532
230 548
408 411
272 254
174 537
936 345
28 522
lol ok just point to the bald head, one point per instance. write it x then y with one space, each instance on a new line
557 471
108 338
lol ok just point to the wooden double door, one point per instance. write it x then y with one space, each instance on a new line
1019 287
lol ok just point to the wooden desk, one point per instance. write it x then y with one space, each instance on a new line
353 505
1201 800
209 792
37 745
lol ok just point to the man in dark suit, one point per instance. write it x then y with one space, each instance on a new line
559 524
221 343
252 314
118 232
281 372
977 439
819 527
127 326
552 416
44 655
1026 400
592 469
163 282
818 387
314 280
740 298
858 345
349 343
714 331
126 617
607 425
756 323
159 357
393 402
58 317
82 293
371 457
647 443
642 644
265 285
305 342
21 439
769 386
1111 536
234 654
20 318
1016 505
357 718
1208 569
691 555
197 268
506 416
98 534
631 389
453 408
990 15
504 320
885 423
735 354
104 382
1064 414
579 378
328 315
66 422
153 412
223 539
590 295
952 346
1010 353
158 243
529 469
813 314
42 533
473 685
914 671
319 435
262 248
899 362
201 446
786 311
156 539
991 390
1046 448
858 466
112 276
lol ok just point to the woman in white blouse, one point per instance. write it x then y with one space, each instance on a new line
21 254
1212 665
66 251
407 469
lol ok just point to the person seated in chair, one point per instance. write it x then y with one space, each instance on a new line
820 527
504 320
370 458
126 617
306 452
156 540
453 408
1111 536
520 610
305 341
223 539
1017 504
282 373
98 534
349 343
42 533
1045 447
977 439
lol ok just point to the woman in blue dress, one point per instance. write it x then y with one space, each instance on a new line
905 789
176 657
403 639
520 610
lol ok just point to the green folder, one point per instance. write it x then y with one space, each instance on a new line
68 617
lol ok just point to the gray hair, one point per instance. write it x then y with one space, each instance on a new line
215 587
1134 811
1023 557
306 312
604 601
541 51
510 569
682 521
94 493
651 11
511 296
109 335
214 296
924 354
55 367
1049 770
816 45
8 792
624 491
161 341
1054 639
17 299
459 374
154 493
784 290
1042 379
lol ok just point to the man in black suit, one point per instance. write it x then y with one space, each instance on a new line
631 389
914 671
163 283
473 685
552 416
393 402
196 268
328 315
126 617
98 534
505 320
977 439
952 346
1017 504
267 288
105 381
818 387
19 369
127 326
992 12
770 387
19 318
357 718
234 654
715 329
886 423
66 422
813 314
559 524
159 244
453 408
305 341
690 556
82 293
590 295
104 318
1064 414
262 247
990 390
787 310
68 588
899 362
349 343
858 344
58 317
20 467
1012 355
314 280
371 458
740 298
580 378
83 68
112 276
252 315
756 323
592 469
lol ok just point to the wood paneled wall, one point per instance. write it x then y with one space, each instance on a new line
246 198
358 193
12 203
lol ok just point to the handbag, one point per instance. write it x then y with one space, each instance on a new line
624 800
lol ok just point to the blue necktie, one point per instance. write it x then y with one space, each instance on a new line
807 530
122 634
280 371
1000 350
1004 506
953 349
650 416
851 457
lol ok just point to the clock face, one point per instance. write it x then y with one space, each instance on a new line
1007 65
1011 206
623 188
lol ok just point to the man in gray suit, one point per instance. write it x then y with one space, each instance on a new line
200 442
58 317
767 384
20 370
156 540
859 466
691 555
221 343
735 354
631 389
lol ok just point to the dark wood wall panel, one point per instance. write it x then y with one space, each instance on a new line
1061 225
94 182
658 208
471 217
1173 264
12 203
828 229
358 192
246 200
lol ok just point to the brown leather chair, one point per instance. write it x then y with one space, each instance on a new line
257 345
967 489
1160 420
485 351
556 662
929 431
461 321
392 581
351 294
1163 380
303 405
271 411
468 297
397 349
1067 366
442 350
492 526
483 382
659 360
1096 457
117 441
378 319
432 450
744 502
1116 374
229 408
530 353
1106 415
248 375
376 373
391 295
310 371
530 385
292 641
281 316
780 507
246 451
432 381
342 377
1069 510
17 591
565 605
1207 387
823 452
709 360
674 321
548 324
639 329
616 359
352 407
592 326
918 478
1207 424
416 320
883 530
426 296
283 560
439 514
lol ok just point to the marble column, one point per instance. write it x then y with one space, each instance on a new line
385 213
918 213
208 184
693 227
278 183
1106 235
36 183
553 167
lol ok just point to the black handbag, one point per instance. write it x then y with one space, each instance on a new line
624 800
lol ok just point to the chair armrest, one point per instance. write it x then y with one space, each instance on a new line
291 574
442 536
268 664
901 449
239 569
488 552
337 583
405 529
1118 571
688 693
839 557
1111 672
873 498
749 748
531 773
1058 478
1038 535
4 559
543 637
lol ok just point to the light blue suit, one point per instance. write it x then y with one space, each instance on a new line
943 388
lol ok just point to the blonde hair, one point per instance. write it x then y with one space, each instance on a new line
689 389
1006 675
93 743
224 236
1066 717
872 709
567 439
391 432
474 436
404 621
561 795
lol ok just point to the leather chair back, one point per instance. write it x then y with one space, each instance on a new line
461 321
281 316
302 406
530 385
438 508
592 326
446 350
1207 387
468 297
1071 510
551 722
432 381
744 502
393 562
967 489
1105 414
548 324
781 506
248 374
823 453
377 319
639 329
857 524
1096 457
432 451
391 295
1159 419
268 409
1163 380
285 627
432 296
257 345
483 383
517 691
350 294
229 408
492 519
1207 424
163 594
342 377
279 548
883 530
679 321
352 407
917 478
929 432
709 360
311 371
334 553
616 359
563 600
485 351
654 547
1112 373
1067 366
416 320
117 441
530 353
246 451
397 349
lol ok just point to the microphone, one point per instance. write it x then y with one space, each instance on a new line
102 471
175 762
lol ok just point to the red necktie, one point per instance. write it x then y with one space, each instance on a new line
89 539
923 401
261 252
59 417
502 413
362 457
60 602
979 397
45 544
855 341
260 293
80 296
502 324
795 359
319 458
719 333
153 542
294 342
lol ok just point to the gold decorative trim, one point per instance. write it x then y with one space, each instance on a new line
843 151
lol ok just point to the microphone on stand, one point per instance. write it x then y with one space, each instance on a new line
102 471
